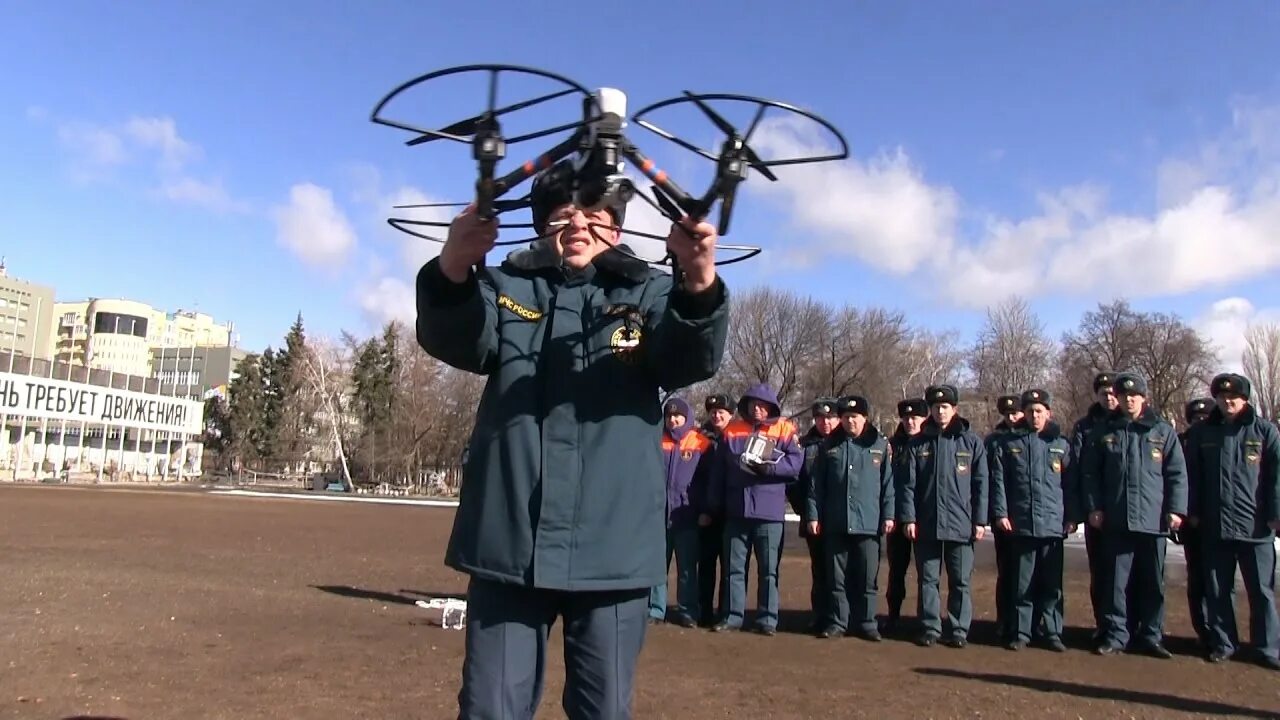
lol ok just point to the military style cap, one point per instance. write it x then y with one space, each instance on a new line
915 406
719 401
1129 384
1037 396
824 406
855 404
935 394
1006 404
1230 383
1103 380
1199 407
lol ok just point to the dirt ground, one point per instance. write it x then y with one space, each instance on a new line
183 604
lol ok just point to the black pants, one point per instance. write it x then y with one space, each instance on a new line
1005 582
820 587
898 552
712 575
1193 551
506 650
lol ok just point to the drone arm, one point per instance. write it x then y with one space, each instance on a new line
530 167
664 182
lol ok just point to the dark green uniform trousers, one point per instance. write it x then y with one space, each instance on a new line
1257 562
853 566
1134 584
1034 566
506 645
898 553
958 557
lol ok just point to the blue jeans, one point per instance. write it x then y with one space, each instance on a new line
762 538
683 543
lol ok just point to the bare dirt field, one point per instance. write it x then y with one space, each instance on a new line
184 604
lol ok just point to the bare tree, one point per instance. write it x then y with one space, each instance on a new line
326 366
1172 356
1012 352
1262 367
928 358
775 336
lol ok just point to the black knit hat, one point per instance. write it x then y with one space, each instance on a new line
1200 407
935 394
1007 404
824 407
1103 380
855 404
914 406
1232 383
1037 396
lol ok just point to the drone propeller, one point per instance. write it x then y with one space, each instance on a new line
732 132
472 124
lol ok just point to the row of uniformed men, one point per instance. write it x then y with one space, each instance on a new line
934 487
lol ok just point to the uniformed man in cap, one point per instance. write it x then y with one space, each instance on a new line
561 514
850 504
911 416
825 420
1105 403
713 578
1009 407
1188 537
1033 500
1234 463
944 508
1135 485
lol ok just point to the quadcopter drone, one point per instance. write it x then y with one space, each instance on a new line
596 151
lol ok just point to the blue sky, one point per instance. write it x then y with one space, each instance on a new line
220 156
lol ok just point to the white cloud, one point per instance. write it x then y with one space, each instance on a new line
313 227
389 299
1225 324
1214 224
881 211
98 151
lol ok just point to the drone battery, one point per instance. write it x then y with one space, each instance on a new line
612 101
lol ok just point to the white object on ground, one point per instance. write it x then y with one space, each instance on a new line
453 611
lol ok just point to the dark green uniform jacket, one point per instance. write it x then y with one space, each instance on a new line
1234 468
1032 481
851 492
1134 472
564 488
945 491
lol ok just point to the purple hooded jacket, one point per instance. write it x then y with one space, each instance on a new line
687 455
738 493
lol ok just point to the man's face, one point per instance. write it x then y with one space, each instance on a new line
1133 404
720 418
1039 416
913 424
757 410
1013 418
578 236
942 413
1230 404
1107 398
853 423
826 424
675 420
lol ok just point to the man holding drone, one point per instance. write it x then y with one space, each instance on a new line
562 508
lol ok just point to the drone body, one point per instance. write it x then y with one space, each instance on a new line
595 154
